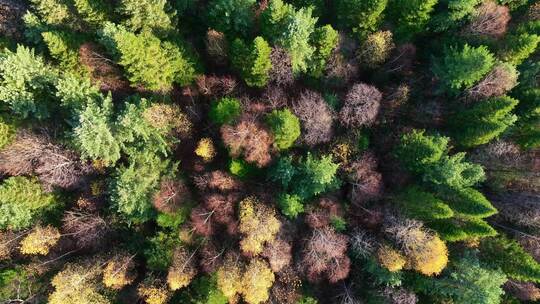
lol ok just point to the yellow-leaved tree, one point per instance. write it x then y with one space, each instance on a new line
40 240
77 284
258 224
182 270
119 272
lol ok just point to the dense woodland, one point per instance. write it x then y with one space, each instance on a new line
269 151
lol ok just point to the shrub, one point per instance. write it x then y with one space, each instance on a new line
460 69
22 202
285 127
253 62
225 110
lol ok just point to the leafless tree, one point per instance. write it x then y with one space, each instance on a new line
211 257
490 20
520 208
11 13
250 139
281 73
171 195
217 180
361 106
363 244
323 213
216 46
524 291
316 118
398 295
324 256
502 78
36 154
87 230
279 254
402 59
366 181
216 86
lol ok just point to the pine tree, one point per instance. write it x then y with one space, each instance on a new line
462 68
410 16
225 110
26 83
416 150
420 204
508 255
360 16
252 61
324 39
22 202
232 17
519 46
155 15
483 121
63 46
94 12
53 12
147 60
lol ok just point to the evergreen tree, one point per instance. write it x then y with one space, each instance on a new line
7 132
285 126
462 68
148 61
291 29
410 16
360 16
454 14
52 12
454 172
508 255
462 228
26 83
132 187
94 133
417 150
94 12
519 47
324 39
526 129
483 121
155 15
253 61
225 110
232 17
22 202
420 204
63 46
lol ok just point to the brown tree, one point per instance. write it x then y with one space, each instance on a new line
519 208
217 180
324 256
54 166
11 13
398 295
361 106
88 230
323 213
523 291
402 60
502 78
490 20
316 118
278 253
210 257
216 86
171 195
366 182
216 46
250 139
281 73
286 288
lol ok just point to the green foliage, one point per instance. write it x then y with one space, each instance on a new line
225 110
94 12
462 68
417 203
454 172
307 300
338 223
26 82
148 61
456 12
381 275
159 250
53 12
360 16
253 61
324 39
232 17
63 46
468 201
23 202
241 169
508 255
467 283
290 28
483 121
462 228
417 150
526 130
132 187
285 126
290 205
18 283
7 132
203 290
134 133
307 177
93 134
410 16
519 47
155 15
75 93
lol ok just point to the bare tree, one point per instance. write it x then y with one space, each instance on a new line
87 230
316 118
281 73
524 291
366 181
216 86
11 13
217 180
250 139
279 254
171 195
216 46
324 256
361 106
490 20
502 78
55 166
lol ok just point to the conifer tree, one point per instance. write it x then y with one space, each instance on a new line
360 16
285 126
252 61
